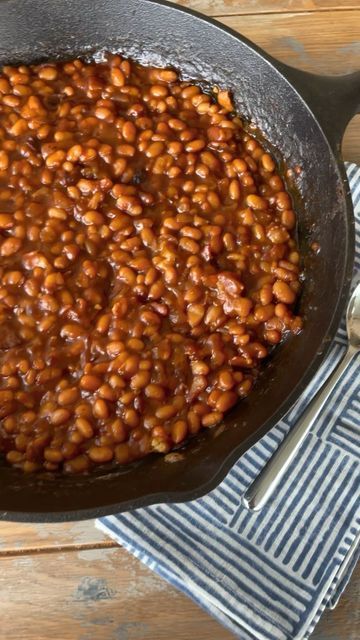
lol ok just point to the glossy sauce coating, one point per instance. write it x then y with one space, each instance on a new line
147 262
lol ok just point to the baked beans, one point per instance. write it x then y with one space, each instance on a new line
148 262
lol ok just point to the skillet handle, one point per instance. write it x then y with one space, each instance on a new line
334 100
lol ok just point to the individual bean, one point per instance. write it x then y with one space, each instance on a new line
283 292
267 162
288 218
166 411
79 464
264 313
101 409
211 419
60 416
100 455
225 401
256 202
140 380
53 455
179 431
195 314
10 246
226 380
155 391
277 235
122 453
6 221
84 427
131 418
90 382
68 396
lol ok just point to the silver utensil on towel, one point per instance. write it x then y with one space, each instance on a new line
267 481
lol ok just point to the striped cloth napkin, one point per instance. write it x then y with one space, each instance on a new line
268 575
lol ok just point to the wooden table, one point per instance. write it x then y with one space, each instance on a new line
69 582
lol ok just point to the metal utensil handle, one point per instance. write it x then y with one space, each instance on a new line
265 484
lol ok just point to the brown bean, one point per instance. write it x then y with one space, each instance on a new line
155 391
195 145
195 314
267 162
288 218
117 77
100 455
190 245
131 418
101 409
166 411
122 453
118 430
256 202
140 380
211 419
283 200
200 368
129 131
163 75
10 246
264 313
234 190
6 221
226 380
242 306
68 396
60 416
277 235
77 465
53 455
4 160
179 431
90 382
84 427
225 401
219 134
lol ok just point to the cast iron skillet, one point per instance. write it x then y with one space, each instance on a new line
304 117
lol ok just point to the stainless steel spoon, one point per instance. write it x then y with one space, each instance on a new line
265 484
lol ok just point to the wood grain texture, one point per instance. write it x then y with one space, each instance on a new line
310 37
326 42
95 595
351 142
238 7
17 538
108 595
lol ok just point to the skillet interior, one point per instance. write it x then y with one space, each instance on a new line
154 32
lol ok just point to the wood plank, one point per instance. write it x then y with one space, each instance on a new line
17 538
351 142
95 595
343 623
108 595
324 42
234 7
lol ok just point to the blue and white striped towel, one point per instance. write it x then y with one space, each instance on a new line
268 575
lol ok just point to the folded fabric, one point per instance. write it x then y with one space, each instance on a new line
268 575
